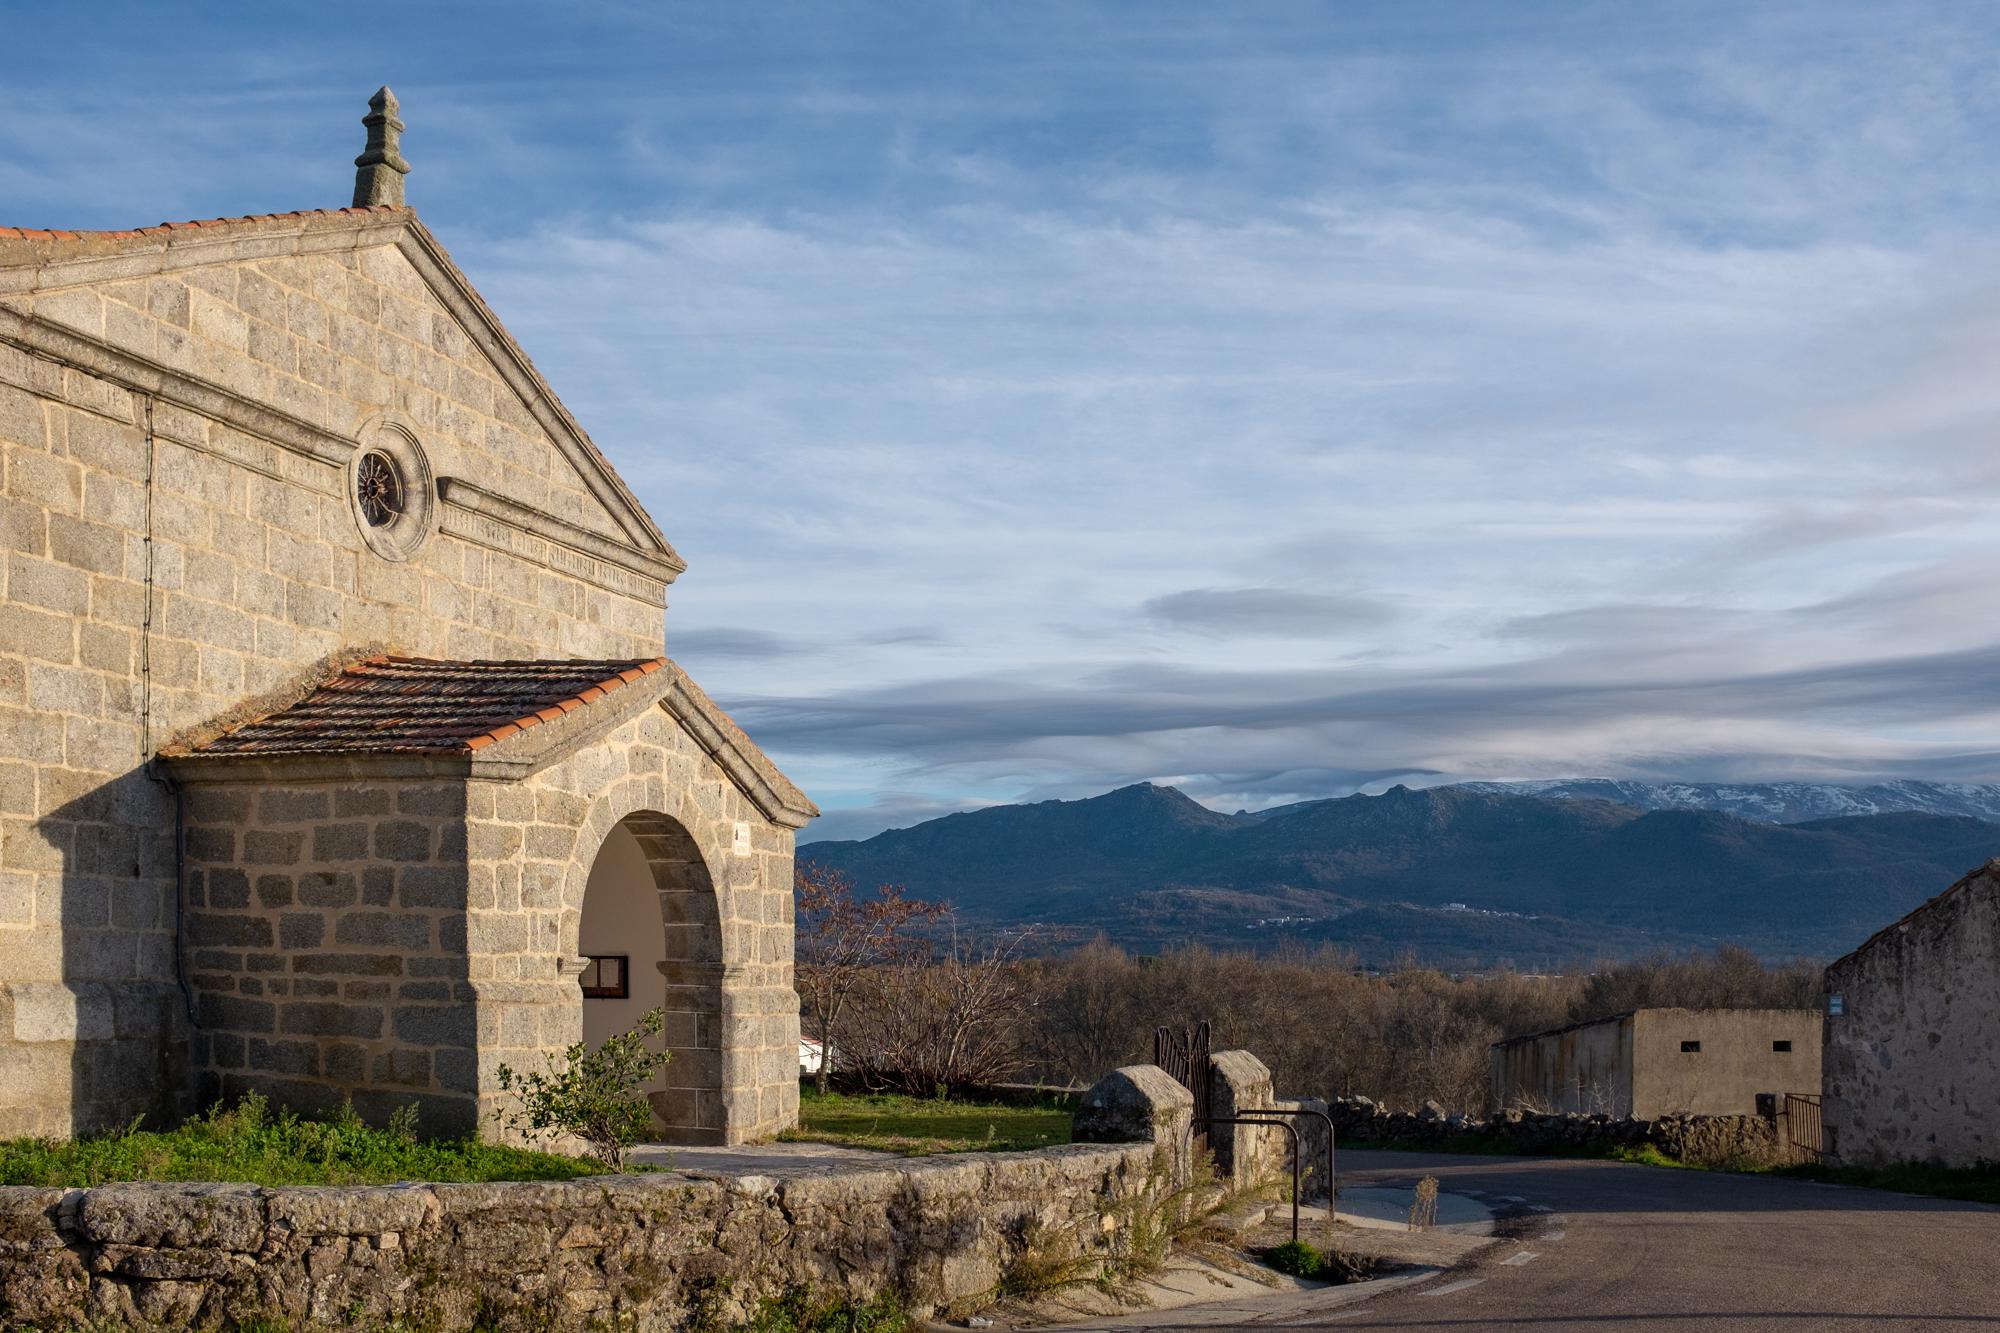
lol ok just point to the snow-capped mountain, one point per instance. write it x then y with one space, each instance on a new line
1770 802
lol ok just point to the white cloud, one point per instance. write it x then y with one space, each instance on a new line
1640 360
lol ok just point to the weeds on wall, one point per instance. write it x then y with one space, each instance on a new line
805 1309
1130 1240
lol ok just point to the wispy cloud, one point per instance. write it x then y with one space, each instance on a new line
1284 612
1277 399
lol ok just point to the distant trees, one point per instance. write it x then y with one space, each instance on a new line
842 941
913 1003
1327 1027
960 1018
908 1001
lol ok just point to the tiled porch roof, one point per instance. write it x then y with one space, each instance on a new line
416 705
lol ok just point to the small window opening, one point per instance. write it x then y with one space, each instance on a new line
379 487
1782 1047
604 977
1690 1048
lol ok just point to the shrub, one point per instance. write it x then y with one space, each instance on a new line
597 1093
1298 1258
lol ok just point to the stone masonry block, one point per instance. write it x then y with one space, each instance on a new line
402 930
1136 1104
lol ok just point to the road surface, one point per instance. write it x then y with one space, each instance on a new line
1601 1245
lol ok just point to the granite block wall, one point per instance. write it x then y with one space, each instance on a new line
176 540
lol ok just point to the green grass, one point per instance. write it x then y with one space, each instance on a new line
915 1125
1975 1184
1978 1184
251 1143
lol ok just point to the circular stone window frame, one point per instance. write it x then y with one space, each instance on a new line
394 438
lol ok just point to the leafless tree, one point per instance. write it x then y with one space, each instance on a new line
1328 1026
841 939
960 1019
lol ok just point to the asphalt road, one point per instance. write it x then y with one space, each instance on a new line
1635 1247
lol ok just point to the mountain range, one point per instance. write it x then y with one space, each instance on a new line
1460 876
1771 802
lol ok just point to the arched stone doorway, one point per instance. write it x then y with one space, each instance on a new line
649 902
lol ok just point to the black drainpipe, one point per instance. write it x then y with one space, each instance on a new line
159 773
150 763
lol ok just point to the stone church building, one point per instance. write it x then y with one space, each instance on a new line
338 754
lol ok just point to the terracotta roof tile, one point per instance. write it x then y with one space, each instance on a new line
423 706
46 234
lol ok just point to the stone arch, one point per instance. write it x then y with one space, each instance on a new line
621 801
649 900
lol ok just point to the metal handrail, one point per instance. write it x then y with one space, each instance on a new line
1272 1117
1307 1110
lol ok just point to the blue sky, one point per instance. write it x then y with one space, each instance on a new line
1272 399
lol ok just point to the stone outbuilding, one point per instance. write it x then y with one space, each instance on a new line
1913 1035
1651 1063
339 756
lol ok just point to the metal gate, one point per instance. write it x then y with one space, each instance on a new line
1183 1053
1802 1123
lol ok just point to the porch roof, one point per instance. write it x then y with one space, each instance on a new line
402 712
415 705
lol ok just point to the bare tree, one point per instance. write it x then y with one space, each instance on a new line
841 938
1094 1019
958 1020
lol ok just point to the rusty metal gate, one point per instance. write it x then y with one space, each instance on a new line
1802 1123
1183 1053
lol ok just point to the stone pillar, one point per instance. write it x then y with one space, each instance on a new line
379 171
1239 1083
1140 1104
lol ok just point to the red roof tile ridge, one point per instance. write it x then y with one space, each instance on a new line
59 234
562 706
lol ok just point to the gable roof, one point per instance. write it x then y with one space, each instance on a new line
462 711
415 705
35 259
1902 923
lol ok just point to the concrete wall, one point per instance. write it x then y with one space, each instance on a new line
175 536
1634 1064
1913 1059
1585 1069
1738 1059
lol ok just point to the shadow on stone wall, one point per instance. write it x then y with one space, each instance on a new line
103 1031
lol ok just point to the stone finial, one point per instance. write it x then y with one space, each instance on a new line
381 168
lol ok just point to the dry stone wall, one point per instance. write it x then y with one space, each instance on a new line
1706 1140
631 1252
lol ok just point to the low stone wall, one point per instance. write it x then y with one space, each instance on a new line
1705 1140
631 1252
